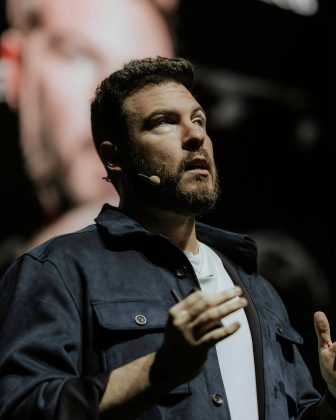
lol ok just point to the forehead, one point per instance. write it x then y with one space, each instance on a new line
74 12
169 96
131 28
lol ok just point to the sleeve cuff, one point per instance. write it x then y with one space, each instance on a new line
80 398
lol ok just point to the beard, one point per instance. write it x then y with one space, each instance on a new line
169 193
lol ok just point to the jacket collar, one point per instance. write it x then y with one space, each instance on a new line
117 224
241 249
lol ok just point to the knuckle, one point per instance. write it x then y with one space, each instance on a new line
172 313
177 323
199 295
234 303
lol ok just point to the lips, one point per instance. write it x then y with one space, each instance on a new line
197 163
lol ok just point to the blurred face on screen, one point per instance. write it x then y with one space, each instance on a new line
66 47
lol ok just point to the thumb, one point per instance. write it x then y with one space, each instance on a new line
322 330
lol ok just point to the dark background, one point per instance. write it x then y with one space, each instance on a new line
270 82
267 78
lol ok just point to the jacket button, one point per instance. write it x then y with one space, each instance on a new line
181 272
217 399
140 319
279 329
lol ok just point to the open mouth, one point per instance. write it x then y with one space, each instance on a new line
199 164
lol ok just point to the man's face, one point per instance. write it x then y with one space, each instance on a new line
168 138
74 45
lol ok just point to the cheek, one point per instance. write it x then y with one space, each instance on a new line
65 104
209 149
162 158
68 88
208 146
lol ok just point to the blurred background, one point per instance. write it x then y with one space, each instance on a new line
266 75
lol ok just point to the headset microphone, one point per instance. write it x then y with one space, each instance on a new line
154 179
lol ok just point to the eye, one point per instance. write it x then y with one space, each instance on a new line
200 120
160 121
67 50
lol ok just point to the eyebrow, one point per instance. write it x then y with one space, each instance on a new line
200 108
172 111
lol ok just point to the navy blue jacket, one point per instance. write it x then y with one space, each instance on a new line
70 311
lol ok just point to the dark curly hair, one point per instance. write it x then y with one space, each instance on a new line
108 116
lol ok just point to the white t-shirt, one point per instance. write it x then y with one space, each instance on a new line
235 353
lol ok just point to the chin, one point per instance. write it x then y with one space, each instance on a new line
199 189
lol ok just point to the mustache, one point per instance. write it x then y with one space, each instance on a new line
188 160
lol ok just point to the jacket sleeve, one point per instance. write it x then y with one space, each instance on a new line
303 401
41 348
309 408
327 407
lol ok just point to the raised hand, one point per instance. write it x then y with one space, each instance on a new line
327 351
193 327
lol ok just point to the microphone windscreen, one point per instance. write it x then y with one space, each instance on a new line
154 179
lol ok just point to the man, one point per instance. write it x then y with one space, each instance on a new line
54 54
142 315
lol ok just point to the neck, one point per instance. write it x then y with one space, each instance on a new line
179 228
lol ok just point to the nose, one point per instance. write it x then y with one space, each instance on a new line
193 137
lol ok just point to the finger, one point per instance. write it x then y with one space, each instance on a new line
322 330
180 319
211 318
214 336
199 301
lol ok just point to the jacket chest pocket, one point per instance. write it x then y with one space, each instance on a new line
128 329
283 358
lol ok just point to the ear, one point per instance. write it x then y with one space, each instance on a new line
110 156
11 56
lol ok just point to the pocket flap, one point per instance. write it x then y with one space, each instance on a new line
132 314
287 332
